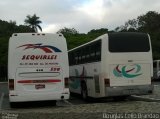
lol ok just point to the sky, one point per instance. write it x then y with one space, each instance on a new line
83 15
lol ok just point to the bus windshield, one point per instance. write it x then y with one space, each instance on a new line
128 42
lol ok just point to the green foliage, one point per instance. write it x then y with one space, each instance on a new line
98 31
6 30
149 22
67 31
75 39
3 50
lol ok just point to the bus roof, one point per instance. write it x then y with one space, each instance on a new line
34 34
100 37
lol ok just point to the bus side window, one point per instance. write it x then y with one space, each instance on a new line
80 56
154 64
83 53
73 58
70 58
98 50
158 64
76 57
87 54
92 53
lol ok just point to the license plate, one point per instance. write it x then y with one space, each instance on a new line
39 86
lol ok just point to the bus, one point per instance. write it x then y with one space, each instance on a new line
113 65
156 70
38 68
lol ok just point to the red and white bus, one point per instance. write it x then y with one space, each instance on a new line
37 67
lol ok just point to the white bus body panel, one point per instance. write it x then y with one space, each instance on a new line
38 64
89 71
129 73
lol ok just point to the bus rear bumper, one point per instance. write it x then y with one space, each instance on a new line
129 90
13 97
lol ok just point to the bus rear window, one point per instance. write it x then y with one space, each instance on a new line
128 42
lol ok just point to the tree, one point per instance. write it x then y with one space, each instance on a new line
121 28
6 30
149 22
98 31
12 26
132 24
33 22
65 31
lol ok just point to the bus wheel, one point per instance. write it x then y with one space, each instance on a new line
120 98
12 104
84 92
54 103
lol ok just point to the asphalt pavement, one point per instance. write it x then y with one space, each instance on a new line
74 100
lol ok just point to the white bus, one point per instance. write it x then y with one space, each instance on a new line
156 70
38 67
113 65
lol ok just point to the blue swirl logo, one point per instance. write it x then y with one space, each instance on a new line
128 71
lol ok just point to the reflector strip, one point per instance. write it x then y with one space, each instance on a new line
40 81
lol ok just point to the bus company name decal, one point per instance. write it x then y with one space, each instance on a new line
48 57
39 57
128 71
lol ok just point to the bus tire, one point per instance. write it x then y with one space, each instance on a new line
120 98
54 103
84 92
12 104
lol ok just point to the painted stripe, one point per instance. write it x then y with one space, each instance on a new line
40 81
37 72
1 100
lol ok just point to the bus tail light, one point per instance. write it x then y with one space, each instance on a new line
11 84
107 82
66 80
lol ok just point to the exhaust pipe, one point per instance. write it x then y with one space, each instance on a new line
62 97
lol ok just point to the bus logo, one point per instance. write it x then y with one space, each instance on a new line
128 71
45 48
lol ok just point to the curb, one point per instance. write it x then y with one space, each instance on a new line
140 98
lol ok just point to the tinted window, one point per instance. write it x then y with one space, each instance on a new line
128 42
154 64
86 54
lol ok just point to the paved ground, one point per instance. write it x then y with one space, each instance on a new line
75 108
4 100
156 93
